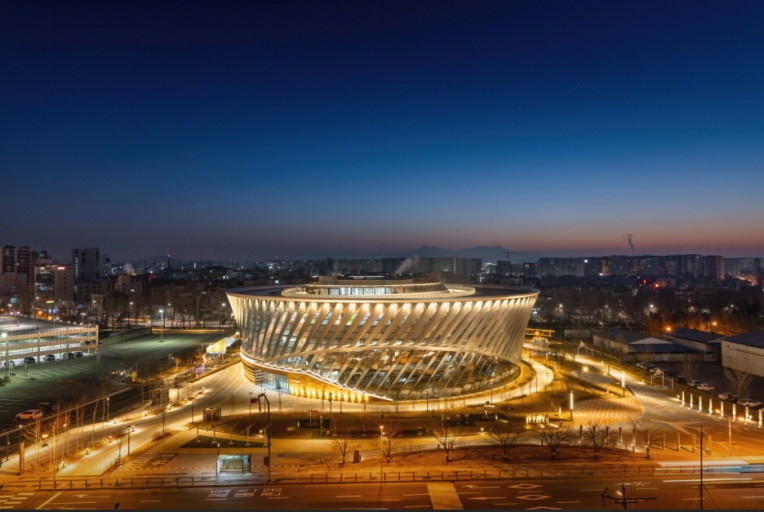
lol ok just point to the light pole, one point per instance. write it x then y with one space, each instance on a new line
571 405
729 436
381 448
161 333
7 368
263 396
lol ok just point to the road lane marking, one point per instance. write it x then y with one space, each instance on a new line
49 500
752 497
694 480
469 492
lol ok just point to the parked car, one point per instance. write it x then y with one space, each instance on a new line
47 407
704 387
78 354
656 371
29 414
48 357
727 396
645 366
86 343
29 360
694 383
10 363
749 402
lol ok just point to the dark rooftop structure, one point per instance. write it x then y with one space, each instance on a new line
751 339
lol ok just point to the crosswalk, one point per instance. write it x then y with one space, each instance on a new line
10 501
149 461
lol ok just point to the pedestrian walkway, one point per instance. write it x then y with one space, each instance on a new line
607 411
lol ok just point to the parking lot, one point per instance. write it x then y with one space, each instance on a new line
67 381
711 373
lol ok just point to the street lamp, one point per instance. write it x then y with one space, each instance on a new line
161 333
571 405
7 368
263 396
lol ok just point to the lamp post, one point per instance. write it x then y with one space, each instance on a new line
161 333
7 368
263 396
571 405
381 448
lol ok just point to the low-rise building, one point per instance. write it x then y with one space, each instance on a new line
744 352
707 342
635 346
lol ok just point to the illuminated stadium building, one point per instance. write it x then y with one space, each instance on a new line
359 338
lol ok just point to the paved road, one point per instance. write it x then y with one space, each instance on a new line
734 491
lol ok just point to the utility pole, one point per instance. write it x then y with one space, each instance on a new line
260 397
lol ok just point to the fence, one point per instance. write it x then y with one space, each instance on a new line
344 476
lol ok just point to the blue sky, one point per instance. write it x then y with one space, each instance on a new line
305 129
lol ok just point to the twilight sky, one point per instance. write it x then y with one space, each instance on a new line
243 130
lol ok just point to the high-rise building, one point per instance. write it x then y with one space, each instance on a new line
63 283
88 266
713 267
18 271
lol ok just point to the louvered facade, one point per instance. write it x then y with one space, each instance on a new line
356 339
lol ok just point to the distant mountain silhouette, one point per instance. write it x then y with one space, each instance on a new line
484 252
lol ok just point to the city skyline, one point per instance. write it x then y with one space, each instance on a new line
249 131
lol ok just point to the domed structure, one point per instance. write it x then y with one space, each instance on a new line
360 338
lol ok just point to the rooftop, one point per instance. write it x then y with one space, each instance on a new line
751 339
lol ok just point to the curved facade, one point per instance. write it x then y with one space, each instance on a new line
410 339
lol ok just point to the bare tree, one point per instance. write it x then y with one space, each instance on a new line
553 437
390 444
688 367
648 433
343 444
598 437
447 436
506 436
739 381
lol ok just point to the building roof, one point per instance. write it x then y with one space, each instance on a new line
626 337
686 333
751 339
642 342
